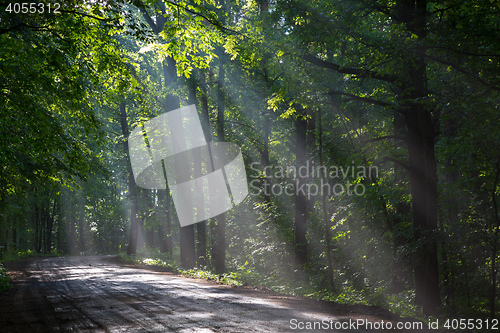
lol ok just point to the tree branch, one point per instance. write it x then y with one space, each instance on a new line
359 98
463 71
149 20
212 22
398 162
87 15
4 31
354 71
463 52
241 124
386 137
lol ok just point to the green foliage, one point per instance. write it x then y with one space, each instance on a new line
123 257
64 160
403 304
226 278
12 256
5 280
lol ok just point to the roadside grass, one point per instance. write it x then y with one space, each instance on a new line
5 280
281 282
12 256
244 275
156 258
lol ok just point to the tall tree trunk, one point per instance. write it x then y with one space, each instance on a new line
451 211
265 159
50 223
163 241
43 221
35 218
201 249
61 227
81 223
424 204
423 172
310 150
326 217
187 245
264 9
205 123
494 253
14 237
218 224
150 237
150 230
188 259
168 239
187 239
132 188
170 103
400 274
72 231
447 274
300 197
201 245
6 240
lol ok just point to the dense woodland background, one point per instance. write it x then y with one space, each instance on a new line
409 87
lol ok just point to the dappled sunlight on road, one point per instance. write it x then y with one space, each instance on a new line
96 295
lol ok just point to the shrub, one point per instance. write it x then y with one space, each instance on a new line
5 280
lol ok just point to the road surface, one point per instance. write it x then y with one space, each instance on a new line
97 294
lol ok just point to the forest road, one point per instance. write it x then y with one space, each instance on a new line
96 294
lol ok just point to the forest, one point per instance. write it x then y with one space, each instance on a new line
369 131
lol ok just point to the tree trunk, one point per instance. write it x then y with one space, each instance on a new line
61 227
132 188
201 254
50 224
310 150
219 229
168 237
400 274
187 247
34 219
423 180
150 238
72 231
265 159
43 218
494 254
6 240
451 211
43 222
326 217
171 102
423 173
14 238
300 197
81 223
162 239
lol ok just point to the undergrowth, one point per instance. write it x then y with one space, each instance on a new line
5 280
281 282
11 256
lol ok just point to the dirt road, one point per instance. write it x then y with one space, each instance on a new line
95 294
